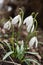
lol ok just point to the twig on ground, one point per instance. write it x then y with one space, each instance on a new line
37 55
10 59
10 62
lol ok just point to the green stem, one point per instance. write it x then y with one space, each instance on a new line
12 37
36 15
35 21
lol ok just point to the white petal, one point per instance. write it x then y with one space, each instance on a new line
16 19
28 20
7 25
32 28
20 21
29 28
33 41
36 43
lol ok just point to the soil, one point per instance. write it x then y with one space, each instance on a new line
39 50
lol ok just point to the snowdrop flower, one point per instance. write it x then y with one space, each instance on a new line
7 25
17 19
28 20
29 23
33 41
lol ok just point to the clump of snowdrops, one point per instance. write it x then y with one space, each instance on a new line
18 47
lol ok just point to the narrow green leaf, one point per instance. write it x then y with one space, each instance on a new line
31 60
22 47
20 51
8 44
17 48
8 54
27 62
33 53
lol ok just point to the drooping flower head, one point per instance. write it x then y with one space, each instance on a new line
33 41
29 23
7 25
17 19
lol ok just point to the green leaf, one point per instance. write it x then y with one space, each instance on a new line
33 53
27 62
17 49
35 24
20 51
8 54
22 48
31 60
8 44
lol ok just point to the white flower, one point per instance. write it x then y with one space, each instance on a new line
17 19
28 20
29 28
33 41
29 23
7 25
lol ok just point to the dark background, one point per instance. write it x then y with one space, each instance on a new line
28 6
